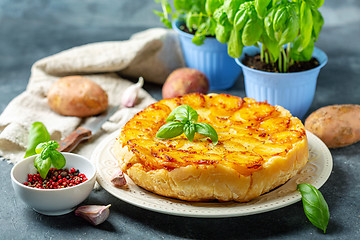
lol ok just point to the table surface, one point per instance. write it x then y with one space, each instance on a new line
31 30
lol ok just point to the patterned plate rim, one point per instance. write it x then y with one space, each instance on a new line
320 163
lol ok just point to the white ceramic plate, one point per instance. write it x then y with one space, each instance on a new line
315 172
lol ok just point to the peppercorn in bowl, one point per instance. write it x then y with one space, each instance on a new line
62 189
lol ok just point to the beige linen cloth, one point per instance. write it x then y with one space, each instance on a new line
152 54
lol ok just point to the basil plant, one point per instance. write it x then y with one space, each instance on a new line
285 30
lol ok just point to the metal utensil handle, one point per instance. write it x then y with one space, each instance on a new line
70 142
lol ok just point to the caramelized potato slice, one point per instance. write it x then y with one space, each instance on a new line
243 162
275 124
291 136
269 149
224 104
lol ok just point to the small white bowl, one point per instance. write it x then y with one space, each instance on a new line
53 201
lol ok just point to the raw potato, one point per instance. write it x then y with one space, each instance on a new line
183 81
77 96
337 125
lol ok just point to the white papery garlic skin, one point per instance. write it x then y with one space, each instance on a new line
130 95
95 214
118 179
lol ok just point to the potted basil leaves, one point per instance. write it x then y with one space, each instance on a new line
202 40
282 64
284 67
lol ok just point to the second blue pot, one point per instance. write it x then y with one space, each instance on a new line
211 58
293 91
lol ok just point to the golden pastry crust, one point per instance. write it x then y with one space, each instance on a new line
260 147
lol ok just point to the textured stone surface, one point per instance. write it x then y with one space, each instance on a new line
30 30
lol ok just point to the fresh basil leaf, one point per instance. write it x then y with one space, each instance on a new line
315 206
57 159
208 131
170 130
318 22
268 24
211 6
42 165
37 134
222 33
235 45
280 18
220 16
182 5
292 28
271 46
252 32
183 113
240 19
305 54
261 7
306 25
40 147
315 4
189 130
45 152
231 7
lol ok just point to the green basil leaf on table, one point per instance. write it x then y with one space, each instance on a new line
208 131
315 206
189 130
37 134
170 130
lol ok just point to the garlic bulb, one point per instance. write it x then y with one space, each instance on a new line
130 94
118 179
95 214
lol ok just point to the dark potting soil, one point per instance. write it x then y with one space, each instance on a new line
298 66
184 28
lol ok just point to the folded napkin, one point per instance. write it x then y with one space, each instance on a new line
152 54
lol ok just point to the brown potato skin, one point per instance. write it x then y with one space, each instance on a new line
77 96
183 81
336 125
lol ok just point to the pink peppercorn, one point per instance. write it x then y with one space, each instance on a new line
55 179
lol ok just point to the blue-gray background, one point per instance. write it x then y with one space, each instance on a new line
33 29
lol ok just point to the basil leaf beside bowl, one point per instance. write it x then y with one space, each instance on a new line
315 206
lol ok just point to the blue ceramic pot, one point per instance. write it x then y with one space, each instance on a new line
211 58
293 91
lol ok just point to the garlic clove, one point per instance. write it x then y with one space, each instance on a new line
95 214
130 94
118 179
